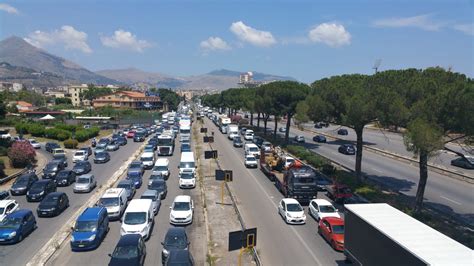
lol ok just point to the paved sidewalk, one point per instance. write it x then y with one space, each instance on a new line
41 161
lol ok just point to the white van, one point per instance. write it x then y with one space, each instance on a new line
115 201
138 218
233 130
252 149
161 167
148 159
248 134
187 162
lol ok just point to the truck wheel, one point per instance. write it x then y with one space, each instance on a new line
333 245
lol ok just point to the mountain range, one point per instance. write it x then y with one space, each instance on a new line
24 63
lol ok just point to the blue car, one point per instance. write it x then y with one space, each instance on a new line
16 226
90 229
136 178
185 147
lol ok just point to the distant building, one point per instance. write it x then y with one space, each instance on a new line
23 106
128 100
246 77
74 92
55 94
10 86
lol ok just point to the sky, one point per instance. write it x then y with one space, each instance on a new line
307 40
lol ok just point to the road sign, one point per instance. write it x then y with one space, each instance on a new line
243 239
224 175
210 154
203 129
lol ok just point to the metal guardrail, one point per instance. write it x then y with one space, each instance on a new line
10 177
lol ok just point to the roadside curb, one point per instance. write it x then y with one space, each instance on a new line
55 242
435 168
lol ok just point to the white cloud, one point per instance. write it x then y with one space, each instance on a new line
126 40
251 35
423 22
214 43
465 28
331 34
71 38
8 8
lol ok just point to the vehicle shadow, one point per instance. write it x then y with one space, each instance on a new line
395 184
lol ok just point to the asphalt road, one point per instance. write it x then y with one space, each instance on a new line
21 253
257 198
100 256
393 142
447 194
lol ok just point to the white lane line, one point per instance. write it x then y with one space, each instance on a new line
276 207
448 199
378 171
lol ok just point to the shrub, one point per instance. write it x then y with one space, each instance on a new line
58 134
71 143
21 154
3 151
36 130
21 127
63 135
2 168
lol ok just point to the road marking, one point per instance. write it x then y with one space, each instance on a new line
378 171
448 199
276 207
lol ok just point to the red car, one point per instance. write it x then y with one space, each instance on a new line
131 134
332 229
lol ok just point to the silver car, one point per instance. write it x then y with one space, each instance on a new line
84 183
155 199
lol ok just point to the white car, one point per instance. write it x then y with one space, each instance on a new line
250 161
34 143
80 155
187 179
182 210
291 211
321 208
248 134
288 161
7 207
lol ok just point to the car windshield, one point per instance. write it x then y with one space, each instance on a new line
181 206
135 218
186 165
21 181
152 197
63 174
10 223
237 139
175 241
83 180
79 153
187 175
101 155
59 156
51 166
158 185
327 208
134 174
293 207
157 176
80 164
289 161
253 149
135 165
85 226
108 202
125 252
124 185
37 187
251 158
160 168
50 201
338 229
146 159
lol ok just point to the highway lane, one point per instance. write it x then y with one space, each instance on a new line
21 253
448 194
257 197
393 142
153 245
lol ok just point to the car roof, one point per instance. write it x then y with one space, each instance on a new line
334 220
54 194
322 202
90 214
147 154
290 200
112 192
86 175
139 205
19 213
150 192
43 181
129 240
6 202
128 182
182 198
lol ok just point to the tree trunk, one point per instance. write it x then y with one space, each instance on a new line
420 192
359 147
251 119
288 124
275 128
265 120
258 122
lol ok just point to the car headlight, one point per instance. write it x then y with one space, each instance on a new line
72 239
41 193
166 252
91 238
12 234
143 230
289 215
189 216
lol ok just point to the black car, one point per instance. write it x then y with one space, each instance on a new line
65 178
175 239
130 250
466 162
258 141
51 169
347 149
180 257
82 167
319 138
122 141
50 146
23 183
343 131
40 189
60 158
4 194
102 157
321 124
237 142
139 137
88 150
53 204
160 186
